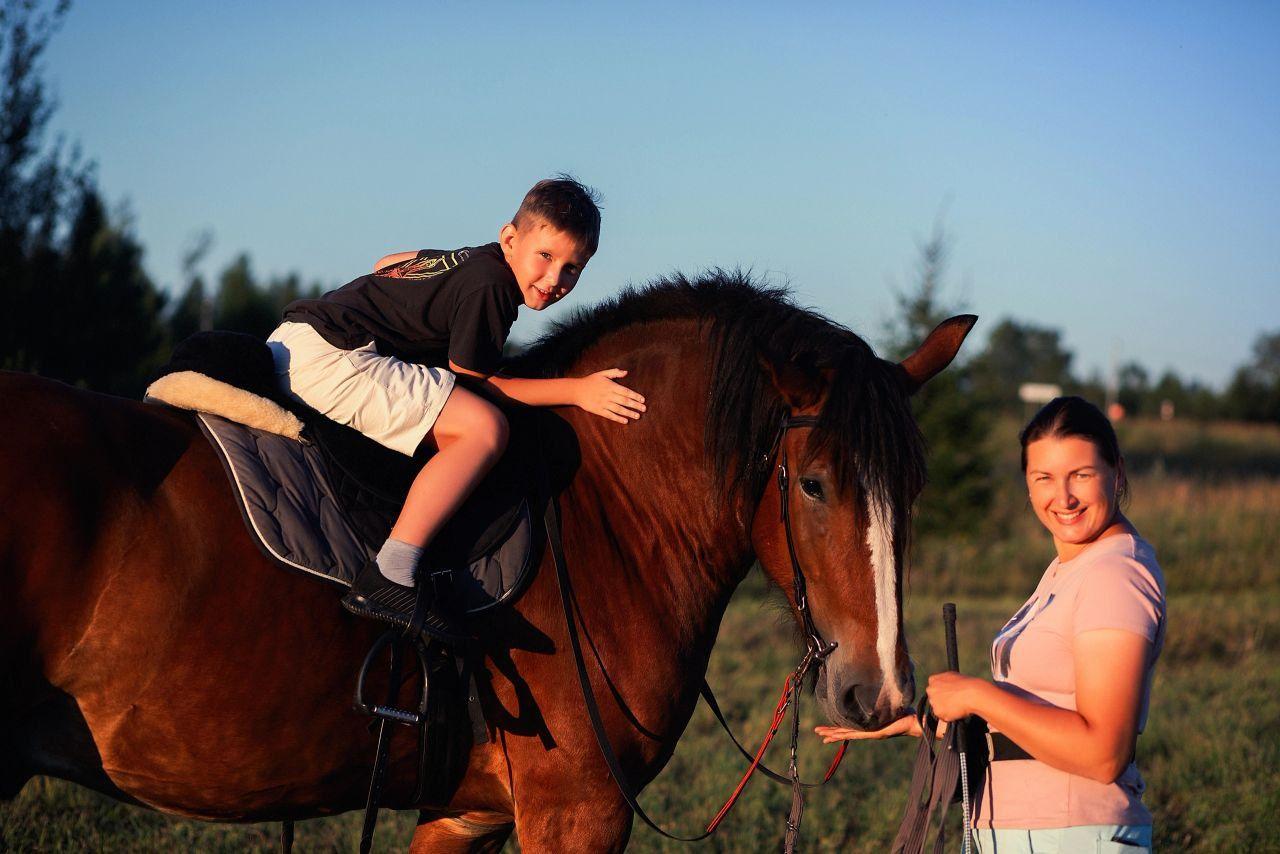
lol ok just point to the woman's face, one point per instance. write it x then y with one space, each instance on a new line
1073 491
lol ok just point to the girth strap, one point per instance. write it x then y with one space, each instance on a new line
379 777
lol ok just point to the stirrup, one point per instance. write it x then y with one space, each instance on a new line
432 612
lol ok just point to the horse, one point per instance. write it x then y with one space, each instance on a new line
150 652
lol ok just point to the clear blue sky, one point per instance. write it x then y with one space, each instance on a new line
1112 170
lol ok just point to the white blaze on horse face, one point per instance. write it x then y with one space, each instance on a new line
880 542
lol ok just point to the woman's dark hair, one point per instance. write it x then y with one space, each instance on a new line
1075 416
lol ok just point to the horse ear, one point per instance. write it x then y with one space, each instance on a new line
937 351
801 384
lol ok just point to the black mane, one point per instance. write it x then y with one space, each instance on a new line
865 427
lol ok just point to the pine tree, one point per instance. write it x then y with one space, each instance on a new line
954 422
78 306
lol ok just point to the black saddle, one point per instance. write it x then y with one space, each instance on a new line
324 505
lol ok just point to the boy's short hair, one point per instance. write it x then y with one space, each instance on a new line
565 204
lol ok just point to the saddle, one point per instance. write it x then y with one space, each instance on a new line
320 498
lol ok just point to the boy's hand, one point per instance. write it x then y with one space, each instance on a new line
600 395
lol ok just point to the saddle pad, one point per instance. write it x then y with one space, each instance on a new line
292 510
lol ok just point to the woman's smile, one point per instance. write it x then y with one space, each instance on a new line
1072 489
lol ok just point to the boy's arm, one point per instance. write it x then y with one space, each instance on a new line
394 258
596 393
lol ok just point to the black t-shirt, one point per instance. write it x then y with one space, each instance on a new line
439 306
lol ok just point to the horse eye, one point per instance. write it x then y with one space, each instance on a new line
811 488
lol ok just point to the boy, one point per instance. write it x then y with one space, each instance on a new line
382 354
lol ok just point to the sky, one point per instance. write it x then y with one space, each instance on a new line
1109 170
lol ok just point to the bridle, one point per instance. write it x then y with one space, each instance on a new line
816 650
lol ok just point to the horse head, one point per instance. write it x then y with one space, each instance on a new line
854 464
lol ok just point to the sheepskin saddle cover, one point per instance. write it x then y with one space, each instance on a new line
320 497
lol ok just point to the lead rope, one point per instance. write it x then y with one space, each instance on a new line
939 773
792 835
815 648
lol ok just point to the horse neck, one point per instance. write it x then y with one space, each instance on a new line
646 493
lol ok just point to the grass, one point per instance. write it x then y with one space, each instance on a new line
1209 754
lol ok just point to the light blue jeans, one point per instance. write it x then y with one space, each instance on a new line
1085 839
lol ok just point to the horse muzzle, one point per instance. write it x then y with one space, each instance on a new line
851 697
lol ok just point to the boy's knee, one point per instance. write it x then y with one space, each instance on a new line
483 430
495 432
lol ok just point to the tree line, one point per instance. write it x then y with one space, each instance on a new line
1018 352
78 304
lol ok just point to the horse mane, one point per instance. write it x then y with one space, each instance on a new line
865 427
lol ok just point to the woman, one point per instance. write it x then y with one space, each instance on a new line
1073 667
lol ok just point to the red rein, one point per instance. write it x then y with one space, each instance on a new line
779 715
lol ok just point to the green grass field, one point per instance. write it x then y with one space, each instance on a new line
1208 497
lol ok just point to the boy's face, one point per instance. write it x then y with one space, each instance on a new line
546 261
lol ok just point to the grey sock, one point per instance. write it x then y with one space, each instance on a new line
398 560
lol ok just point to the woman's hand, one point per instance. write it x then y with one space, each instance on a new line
905 725
952 695
600 395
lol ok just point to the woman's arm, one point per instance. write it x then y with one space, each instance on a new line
1096 740
394 258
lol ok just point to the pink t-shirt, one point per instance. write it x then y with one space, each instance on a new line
1115 583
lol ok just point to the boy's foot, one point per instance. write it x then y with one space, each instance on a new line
377 597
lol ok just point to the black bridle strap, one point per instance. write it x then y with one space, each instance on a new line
816 649
813 639
584 681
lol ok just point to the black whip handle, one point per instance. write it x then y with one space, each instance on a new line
949 625
953 659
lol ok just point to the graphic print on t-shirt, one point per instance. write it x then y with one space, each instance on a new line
1002 647
424 266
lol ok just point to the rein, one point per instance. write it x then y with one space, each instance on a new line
816 649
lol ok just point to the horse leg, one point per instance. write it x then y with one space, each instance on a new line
587 827
49 737
14 773
474 832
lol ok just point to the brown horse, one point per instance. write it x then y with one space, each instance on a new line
150 652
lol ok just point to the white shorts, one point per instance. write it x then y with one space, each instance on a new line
394 403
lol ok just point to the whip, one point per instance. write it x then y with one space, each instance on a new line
953 663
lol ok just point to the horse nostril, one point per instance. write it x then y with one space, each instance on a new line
860 701
908 682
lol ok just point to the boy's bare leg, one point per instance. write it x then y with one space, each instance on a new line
471 434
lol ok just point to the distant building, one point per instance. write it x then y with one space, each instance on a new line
1040 393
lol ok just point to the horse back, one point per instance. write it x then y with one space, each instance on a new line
88 482
49 429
